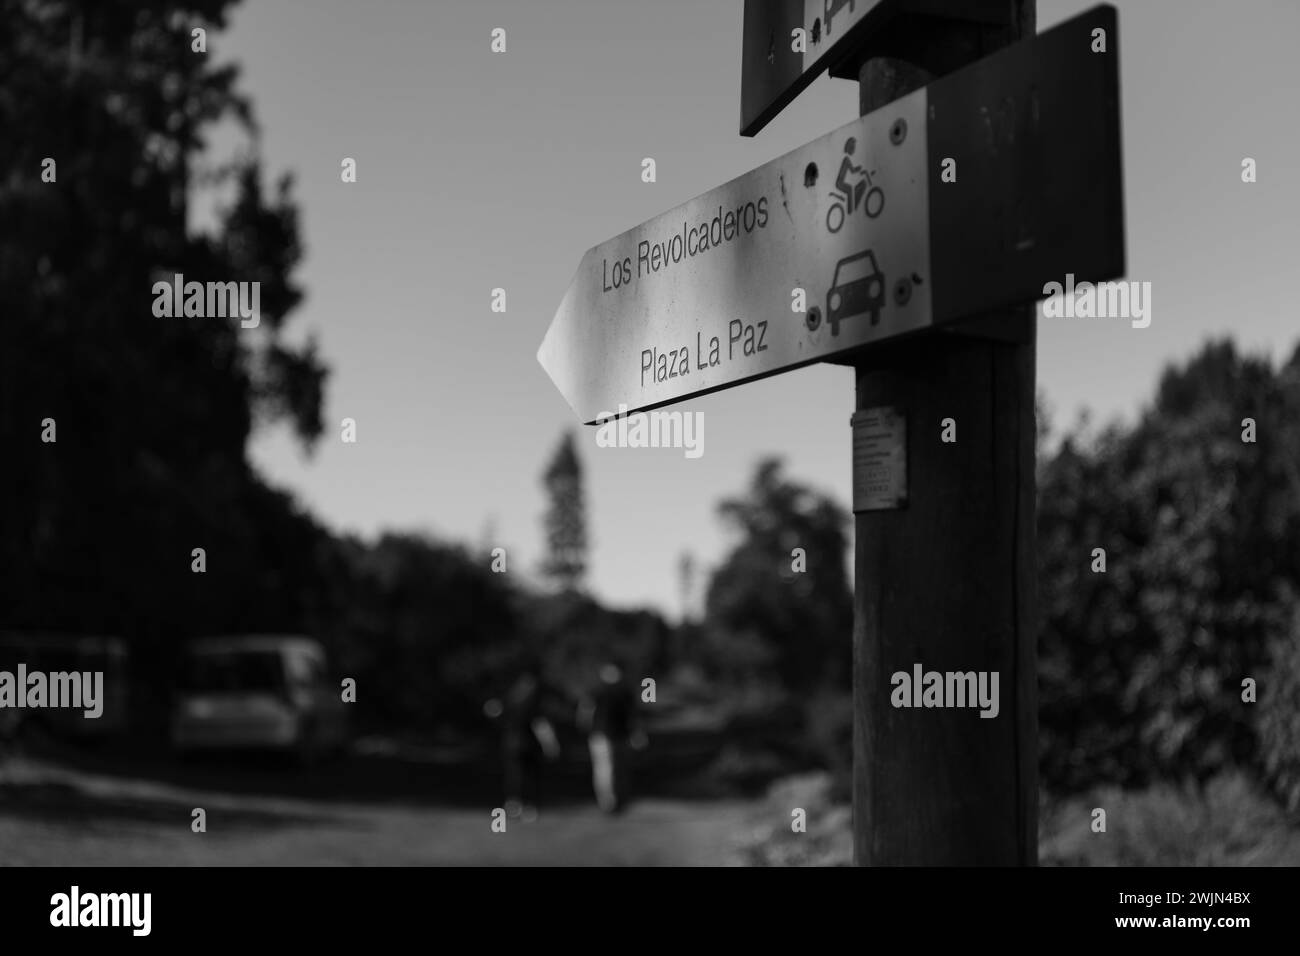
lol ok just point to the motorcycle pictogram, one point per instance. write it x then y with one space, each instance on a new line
854 189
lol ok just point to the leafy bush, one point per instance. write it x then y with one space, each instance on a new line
1141 666
1230 821
1279 717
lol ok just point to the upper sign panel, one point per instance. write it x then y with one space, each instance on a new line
774 72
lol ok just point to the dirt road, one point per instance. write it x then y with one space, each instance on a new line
53 815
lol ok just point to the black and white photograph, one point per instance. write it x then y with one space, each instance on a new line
502 435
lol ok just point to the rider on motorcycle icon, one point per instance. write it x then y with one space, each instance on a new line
854 183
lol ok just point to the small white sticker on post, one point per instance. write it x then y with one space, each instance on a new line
879 459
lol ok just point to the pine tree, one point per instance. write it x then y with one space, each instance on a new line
565 520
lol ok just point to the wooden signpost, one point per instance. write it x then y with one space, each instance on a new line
909 244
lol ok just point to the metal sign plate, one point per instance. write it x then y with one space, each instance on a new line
703 297
862 221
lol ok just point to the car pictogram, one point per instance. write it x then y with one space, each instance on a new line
857 286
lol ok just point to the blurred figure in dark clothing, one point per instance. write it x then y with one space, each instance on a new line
8 733
609 718
527 740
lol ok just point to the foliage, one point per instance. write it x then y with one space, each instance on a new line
779 623
1279 716
826 838
572 635
1141 667
764 618
423 626
1227 821
152 414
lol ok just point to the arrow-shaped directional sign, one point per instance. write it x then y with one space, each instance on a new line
863 229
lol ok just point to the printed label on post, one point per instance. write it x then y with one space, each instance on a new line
879 459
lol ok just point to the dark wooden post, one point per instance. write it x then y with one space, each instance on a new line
948 580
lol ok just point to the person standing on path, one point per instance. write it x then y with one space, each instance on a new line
527 740
609 718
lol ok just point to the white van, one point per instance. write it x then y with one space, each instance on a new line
259 692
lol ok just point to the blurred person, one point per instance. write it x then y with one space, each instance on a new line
610 721
528 739
9 720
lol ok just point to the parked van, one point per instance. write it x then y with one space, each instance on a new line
267 692
51 653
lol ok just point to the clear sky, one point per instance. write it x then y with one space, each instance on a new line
478 170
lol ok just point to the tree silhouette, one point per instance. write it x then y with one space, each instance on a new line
153 414
760 606
565 520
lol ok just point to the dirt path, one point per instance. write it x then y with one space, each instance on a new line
55 816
